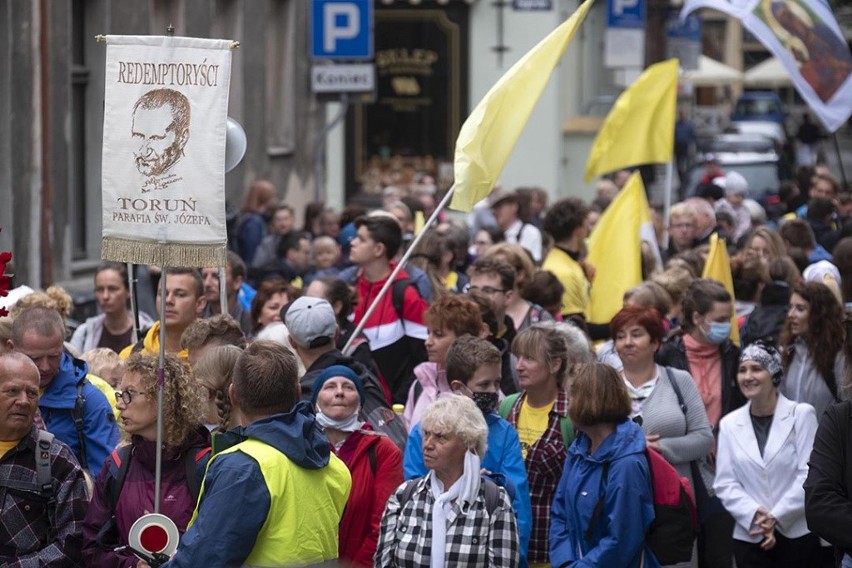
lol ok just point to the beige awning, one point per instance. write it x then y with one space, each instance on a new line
711 73
769 73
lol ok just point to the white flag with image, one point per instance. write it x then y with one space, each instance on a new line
805 37
163 172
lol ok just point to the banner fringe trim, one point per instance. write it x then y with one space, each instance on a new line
193 255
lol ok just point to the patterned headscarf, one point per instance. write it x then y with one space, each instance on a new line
767 357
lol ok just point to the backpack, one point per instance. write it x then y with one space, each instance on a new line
675 524
492 493
43 486
398 295
565 425
119 462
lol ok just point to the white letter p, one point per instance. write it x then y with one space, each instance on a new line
333 32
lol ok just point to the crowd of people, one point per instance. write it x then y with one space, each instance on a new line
470 416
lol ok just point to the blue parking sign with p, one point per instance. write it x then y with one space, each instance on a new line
342 29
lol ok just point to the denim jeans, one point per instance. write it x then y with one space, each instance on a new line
847 561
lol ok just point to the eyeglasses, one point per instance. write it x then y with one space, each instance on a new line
126 396
487 290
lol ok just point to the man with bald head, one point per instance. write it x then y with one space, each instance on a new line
43 493
73 409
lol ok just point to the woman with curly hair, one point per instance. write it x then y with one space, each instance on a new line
213 372
812 339
117 504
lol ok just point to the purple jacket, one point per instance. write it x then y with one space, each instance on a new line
137 498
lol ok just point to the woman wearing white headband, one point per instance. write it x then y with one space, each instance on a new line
761 465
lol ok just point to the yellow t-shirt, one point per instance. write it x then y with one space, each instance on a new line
6 446
572 277
532 422
451 281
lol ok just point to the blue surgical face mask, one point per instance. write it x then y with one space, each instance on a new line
719 332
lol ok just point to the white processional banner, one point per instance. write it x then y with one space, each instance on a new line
805 37
163 173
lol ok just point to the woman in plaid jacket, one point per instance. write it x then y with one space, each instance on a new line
545 356
446 518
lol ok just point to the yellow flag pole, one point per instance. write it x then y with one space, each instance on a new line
419 237
667 204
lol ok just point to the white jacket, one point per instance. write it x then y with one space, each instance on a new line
746 481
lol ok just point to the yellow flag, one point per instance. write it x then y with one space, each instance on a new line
640 127
419 222
491 131
615 250
718 268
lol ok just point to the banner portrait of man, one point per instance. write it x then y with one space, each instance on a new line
160 127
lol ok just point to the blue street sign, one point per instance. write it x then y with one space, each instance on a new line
341 29
625 14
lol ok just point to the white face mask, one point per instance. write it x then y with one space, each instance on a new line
347 425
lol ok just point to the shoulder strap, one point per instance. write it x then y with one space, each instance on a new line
418 390
506 406
408 492
676 389
398 295
140 345
567 430
831 383
680 402
596 514
44 478
77 415
43 473
118 465
371 455
195 460
492 495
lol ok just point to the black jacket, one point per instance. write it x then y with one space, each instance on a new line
828 488
673 354
767 320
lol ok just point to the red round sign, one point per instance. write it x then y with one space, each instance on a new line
154 533
154 538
